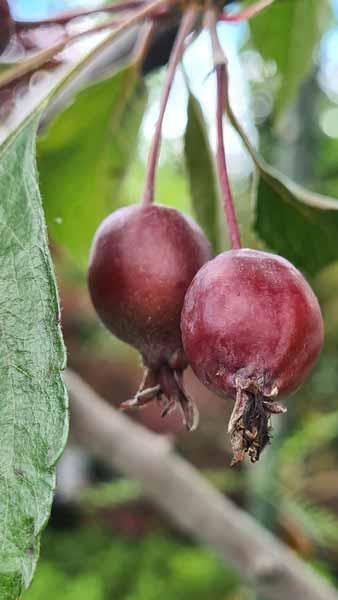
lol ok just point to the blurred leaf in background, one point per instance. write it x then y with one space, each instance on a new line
295 222
84 155
201 174
109 567
288 33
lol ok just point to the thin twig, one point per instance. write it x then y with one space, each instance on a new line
187 23
220 68
179 490
246 13
30 64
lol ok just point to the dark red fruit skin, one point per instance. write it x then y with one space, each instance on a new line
251 316
142 261
6 25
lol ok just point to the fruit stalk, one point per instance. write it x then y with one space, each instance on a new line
186 26
221 93
228 204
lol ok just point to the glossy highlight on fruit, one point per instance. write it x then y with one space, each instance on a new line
142 261
252 330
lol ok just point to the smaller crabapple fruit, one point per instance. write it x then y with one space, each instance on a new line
142 261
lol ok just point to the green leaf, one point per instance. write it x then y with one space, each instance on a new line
293 221
84 155
201 173
33 406
288 32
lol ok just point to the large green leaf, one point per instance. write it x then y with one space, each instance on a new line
201 173
295 222
33 406
84 155
288 32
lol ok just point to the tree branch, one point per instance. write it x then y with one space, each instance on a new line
189 500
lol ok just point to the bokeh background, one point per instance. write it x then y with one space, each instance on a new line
104 541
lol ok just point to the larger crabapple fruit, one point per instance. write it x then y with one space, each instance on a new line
252 330
142 261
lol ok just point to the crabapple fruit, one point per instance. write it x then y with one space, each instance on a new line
252 330
142 261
